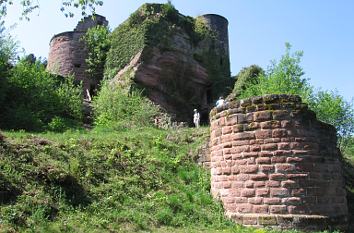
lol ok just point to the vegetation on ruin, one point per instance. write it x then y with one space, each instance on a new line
123 175
248 76
98 43
154 25
287 77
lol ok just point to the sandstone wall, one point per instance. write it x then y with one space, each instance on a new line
219 24
274 164
67 53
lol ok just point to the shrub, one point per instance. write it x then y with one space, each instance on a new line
8 49
113 105
286 77
98 43
248 76
35 97
330 107
283 77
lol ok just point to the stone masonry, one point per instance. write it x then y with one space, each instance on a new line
67 53
274 164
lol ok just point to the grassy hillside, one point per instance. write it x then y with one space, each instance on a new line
142 179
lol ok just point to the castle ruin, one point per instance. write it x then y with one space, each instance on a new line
67 54
273 164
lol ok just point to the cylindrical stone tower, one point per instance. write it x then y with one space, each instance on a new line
219 24
274 164
67 53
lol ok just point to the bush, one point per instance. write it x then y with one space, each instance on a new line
286 77
8 49
330 107
34 97
283 77
113 105
246 77
98 43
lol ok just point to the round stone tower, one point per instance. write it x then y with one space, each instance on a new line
219 24
67 53
274 164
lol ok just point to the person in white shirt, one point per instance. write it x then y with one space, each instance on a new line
196 118
220 102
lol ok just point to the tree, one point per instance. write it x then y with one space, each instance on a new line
286 77
8 49
246 77
283 77
67 5
330 107
98 43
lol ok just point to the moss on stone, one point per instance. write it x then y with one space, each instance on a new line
153 25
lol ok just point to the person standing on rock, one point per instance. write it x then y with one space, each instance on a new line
220 102
196 118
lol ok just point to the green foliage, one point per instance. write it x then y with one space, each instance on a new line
28 6
114 105
8 49
126 42
248 76
98 43
286 77
34 97
144 179
105 179
330 107
349 149
201 30
148 25
283 77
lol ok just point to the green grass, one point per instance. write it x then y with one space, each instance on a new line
105 180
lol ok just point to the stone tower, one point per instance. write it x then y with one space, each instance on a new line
274 164
67 53
219 24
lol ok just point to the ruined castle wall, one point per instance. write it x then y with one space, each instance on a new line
67 53
274 164
220 25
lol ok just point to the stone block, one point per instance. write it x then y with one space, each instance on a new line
263 134
263 116
262 192
278 209
279 192
248 192
248 168
267 220
260 209
244 208
272 200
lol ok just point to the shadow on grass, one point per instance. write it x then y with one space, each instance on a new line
64 185
8 192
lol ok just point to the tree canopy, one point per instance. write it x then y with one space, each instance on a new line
286 76
28 6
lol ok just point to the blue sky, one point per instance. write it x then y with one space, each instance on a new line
258 30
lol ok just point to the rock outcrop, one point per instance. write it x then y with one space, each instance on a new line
177 68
